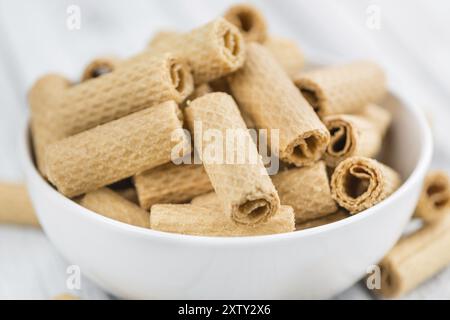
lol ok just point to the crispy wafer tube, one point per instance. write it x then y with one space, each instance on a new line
15 205
356 135
267 95
342 89
336 216
65 296
208 200
59 111
202 221
114 151
99 66
249 20
359 183
416 258
434 201
239 178
110 204
287 53
171 183
306 190
213 50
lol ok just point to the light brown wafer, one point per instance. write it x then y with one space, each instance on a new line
171 183
249 20
203 221
59 111
110 204
287 53
416 258
359 183
342 89
199 91
207 200
129 193
100 66
434 201
306 190
114 151
334 217
213 50
15 205
356 135
267 95
244 187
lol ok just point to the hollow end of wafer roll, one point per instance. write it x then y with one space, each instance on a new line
359 183
391 284
249 20
180 77
434 201
313 94
231 44
342 139
307 148
99 67
252 212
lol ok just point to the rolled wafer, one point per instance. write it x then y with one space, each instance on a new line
114 151
334 217
342 89
59 111
207 200
267 95
110 204
287 53
249 20
416 258
213 50
359 183
434 201
306 190
239 178
99 66
356 135
171 183
15 205
202 221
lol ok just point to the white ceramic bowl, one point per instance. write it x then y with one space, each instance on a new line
132 262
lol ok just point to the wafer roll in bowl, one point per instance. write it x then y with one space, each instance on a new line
265 93
114 151
249 20
244 187
342 89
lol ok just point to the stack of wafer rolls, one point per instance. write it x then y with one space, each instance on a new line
359 183
171 183
59 110
110 204
267 95
114 151
342 89
207 221
356 134
249 20
246 190
15 205
213 50
100 66
307 191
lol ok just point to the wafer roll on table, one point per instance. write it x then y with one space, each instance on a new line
416 258
342 89
249 20
239 178
330 218
171 183
287 53
115 150
100 66
202 221
434 201
356 135
110 204
213 50
359 183
306 190
15 205
265 93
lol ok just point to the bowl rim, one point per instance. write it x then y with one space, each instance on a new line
419 170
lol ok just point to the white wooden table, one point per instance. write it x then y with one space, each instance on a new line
411 41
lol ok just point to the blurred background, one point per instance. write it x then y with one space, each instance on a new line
410 39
